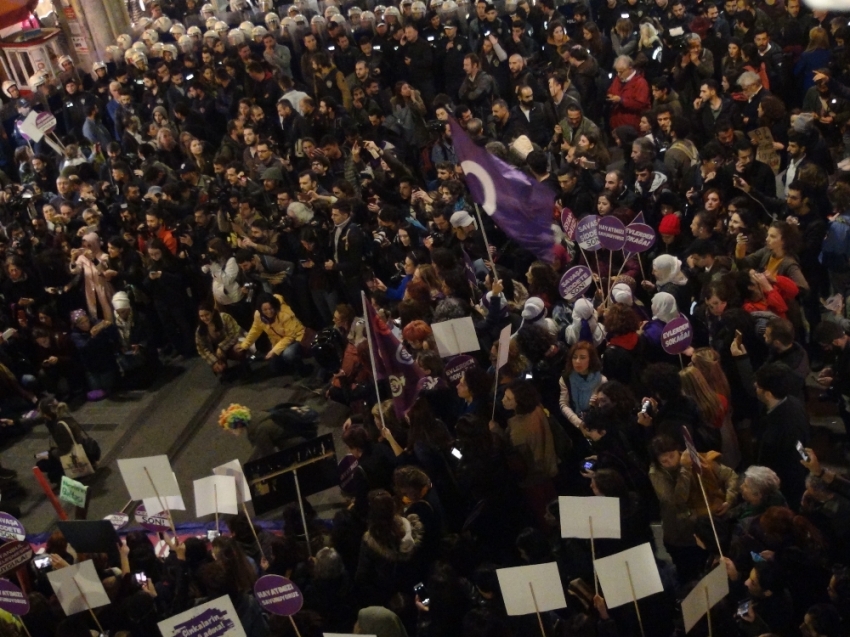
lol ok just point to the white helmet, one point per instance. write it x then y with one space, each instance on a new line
318 20
331 10
150 36
392 11
40 78
96 66
140 58
247 28
143 23
380 9
301 19
141 47
238 5
418 9
113 53
129 54
339 19
185 43
177 30
210 23
264 6
7 85
207 11
272 21
211 34
162 24
221 28
235 37
194 32
124 41
259 32
367 18
65 58
170 48
156 50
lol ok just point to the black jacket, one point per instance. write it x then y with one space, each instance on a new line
782 427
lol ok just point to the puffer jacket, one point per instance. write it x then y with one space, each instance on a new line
285 330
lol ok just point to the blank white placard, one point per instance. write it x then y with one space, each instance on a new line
234 468
215 493
65 583
694 605
455 337
137 482
548 589
613 576
576 512
504 346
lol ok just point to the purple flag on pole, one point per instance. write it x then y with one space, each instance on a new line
519 205
469 269
394 363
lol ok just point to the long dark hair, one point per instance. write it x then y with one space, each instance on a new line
168 260
221 248
383 526
209 305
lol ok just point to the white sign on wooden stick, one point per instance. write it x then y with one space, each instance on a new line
149 477
78 587
544 579
576 514
234 468
697 603
215 494
614 575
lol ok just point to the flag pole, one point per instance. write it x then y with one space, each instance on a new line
490 257
372 359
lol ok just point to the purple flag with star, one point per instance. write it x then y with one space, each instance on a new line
393 362
520 206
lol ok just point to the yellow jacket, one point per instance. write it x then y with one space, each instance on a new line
283 332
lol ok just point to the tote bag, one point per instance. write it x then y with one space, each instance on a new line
75 464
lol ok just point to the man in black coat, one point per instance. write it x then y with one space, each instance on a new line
347 242
417 55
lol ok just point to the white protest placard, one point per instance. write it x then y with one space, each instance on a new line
234 468
518 582
710 590
78 587
614 571
504 346
576 514
215 494
217 618
29 128
148 478
455 337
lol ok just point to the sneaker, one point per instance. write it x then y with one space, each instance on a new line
95 395
7 475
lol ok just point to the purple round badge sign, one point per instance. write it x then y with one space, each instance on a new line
278 595
639 238
118 520
587 235
575 281
612 233
12 600
151 522
346 471
677 335
10 528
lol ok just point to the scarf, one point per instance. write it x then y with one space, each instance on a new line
582 388
626 341
124 328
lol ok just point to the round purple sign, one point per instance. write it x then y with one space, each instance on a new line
639 238
346 471
278 595
456 366
612 233
677 335
587 235
569 223
158 522
575 281
118 520
12 598
10 528
45 122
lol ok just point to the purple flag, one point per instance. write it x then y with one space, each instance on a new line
519 205
393 362
469 269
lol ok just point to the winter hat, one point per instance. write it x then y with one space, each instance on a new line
670 224
120 301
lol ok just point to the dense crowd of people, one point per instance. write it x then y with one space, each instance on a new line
231 179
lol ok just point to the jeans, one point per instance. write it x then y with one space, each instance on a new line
288 361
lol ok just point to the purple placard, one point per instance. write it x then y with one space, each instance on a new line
677 335
456 366
12 599
611 232
587 235
346 471
278 595
569 223
118 520
45 122
10 528
696 462
575 281
639 238
14 554
157 522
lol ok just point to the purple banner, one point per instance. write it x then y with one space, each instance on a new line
346 471
569 223
611 233
574 282
211 622
587 235
10 528
677 335
14 554
278 595
456 366
639 238
152 522
12 598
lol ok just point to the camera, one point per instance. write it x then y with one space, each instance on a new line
437 238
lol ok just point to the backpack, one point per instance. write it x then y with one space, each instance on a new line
835 250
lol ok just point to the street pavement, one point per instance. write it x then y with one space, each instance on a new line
178 417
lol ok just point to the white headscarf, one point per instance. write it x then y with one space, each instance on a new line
669 270
622 293
584 316
664 307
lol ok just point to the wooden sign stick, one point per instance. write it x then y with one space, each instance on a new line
537 610
26 630
83 595
710 516
634 599
593 554
164 505
708 612
215 497
294 627
253 530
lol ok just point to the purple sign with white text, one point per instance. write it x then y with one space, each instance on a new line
574 282
456 366
10 528
14 554
639 238
12 598
278 595
347 467
157 522
587 233
677 335
611 232
569 223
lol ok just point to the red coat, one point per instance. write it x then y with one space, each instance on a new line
634 100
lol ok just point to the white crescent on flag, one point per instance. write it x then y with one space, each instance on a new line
474 168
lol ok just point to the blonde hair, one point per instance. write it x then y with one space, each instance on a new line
708 401
707 361
818 39
648 34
